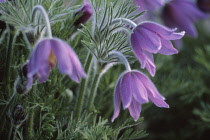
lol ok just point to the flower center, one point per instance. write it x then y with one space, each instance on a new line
52 59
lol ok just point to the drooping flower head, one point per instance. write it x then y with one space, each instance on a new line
204 5
182 14
150 38
86 12
134 89
44 57
150 5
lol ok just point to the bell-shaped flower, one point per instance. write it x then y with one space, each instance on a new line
182 14
134 89
204 5
44 57
150 38
149 4
86 12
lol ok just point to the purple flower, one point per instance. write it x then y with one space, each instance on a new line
44 57
86 12
148 4
204 5
182 14
134 89
1 1
148 38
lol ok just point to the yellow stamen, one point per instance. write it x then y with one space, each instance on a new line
52 59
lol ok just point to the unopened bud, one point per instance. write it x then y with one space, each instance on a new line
18 115
68 94
86 12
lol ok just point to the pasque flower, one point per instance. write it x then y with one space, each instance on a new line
182 14
148 4
134 89
44 57
150 38
86 12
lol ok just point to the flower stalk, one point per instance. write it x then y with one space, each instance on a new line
12 40
98 76
82 88
126 21
122 58
95 84
45 17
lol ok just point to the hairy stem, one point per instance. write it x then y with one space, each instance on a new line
10 131
126 21
31 124
45 17
5 109
10 47
122 58
96 82
82 88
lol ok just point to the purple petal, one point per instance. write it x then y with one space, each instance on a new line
150 65
39 61
167 48
135 109
157 101
116 101
182 14
149 85
151 69
143 56
43 73
190 10
162 31
145 39
68 62
77 69
125 90
138 51
138 90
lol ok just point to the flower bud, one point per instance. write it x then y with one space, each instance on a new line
68 94
21 81
86 12
24 70
18 115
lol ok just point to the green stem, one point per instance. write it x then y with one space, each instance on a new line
96 81
15 133
126 21
82 88
10 131
45 17
12 39
7 106
31 124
